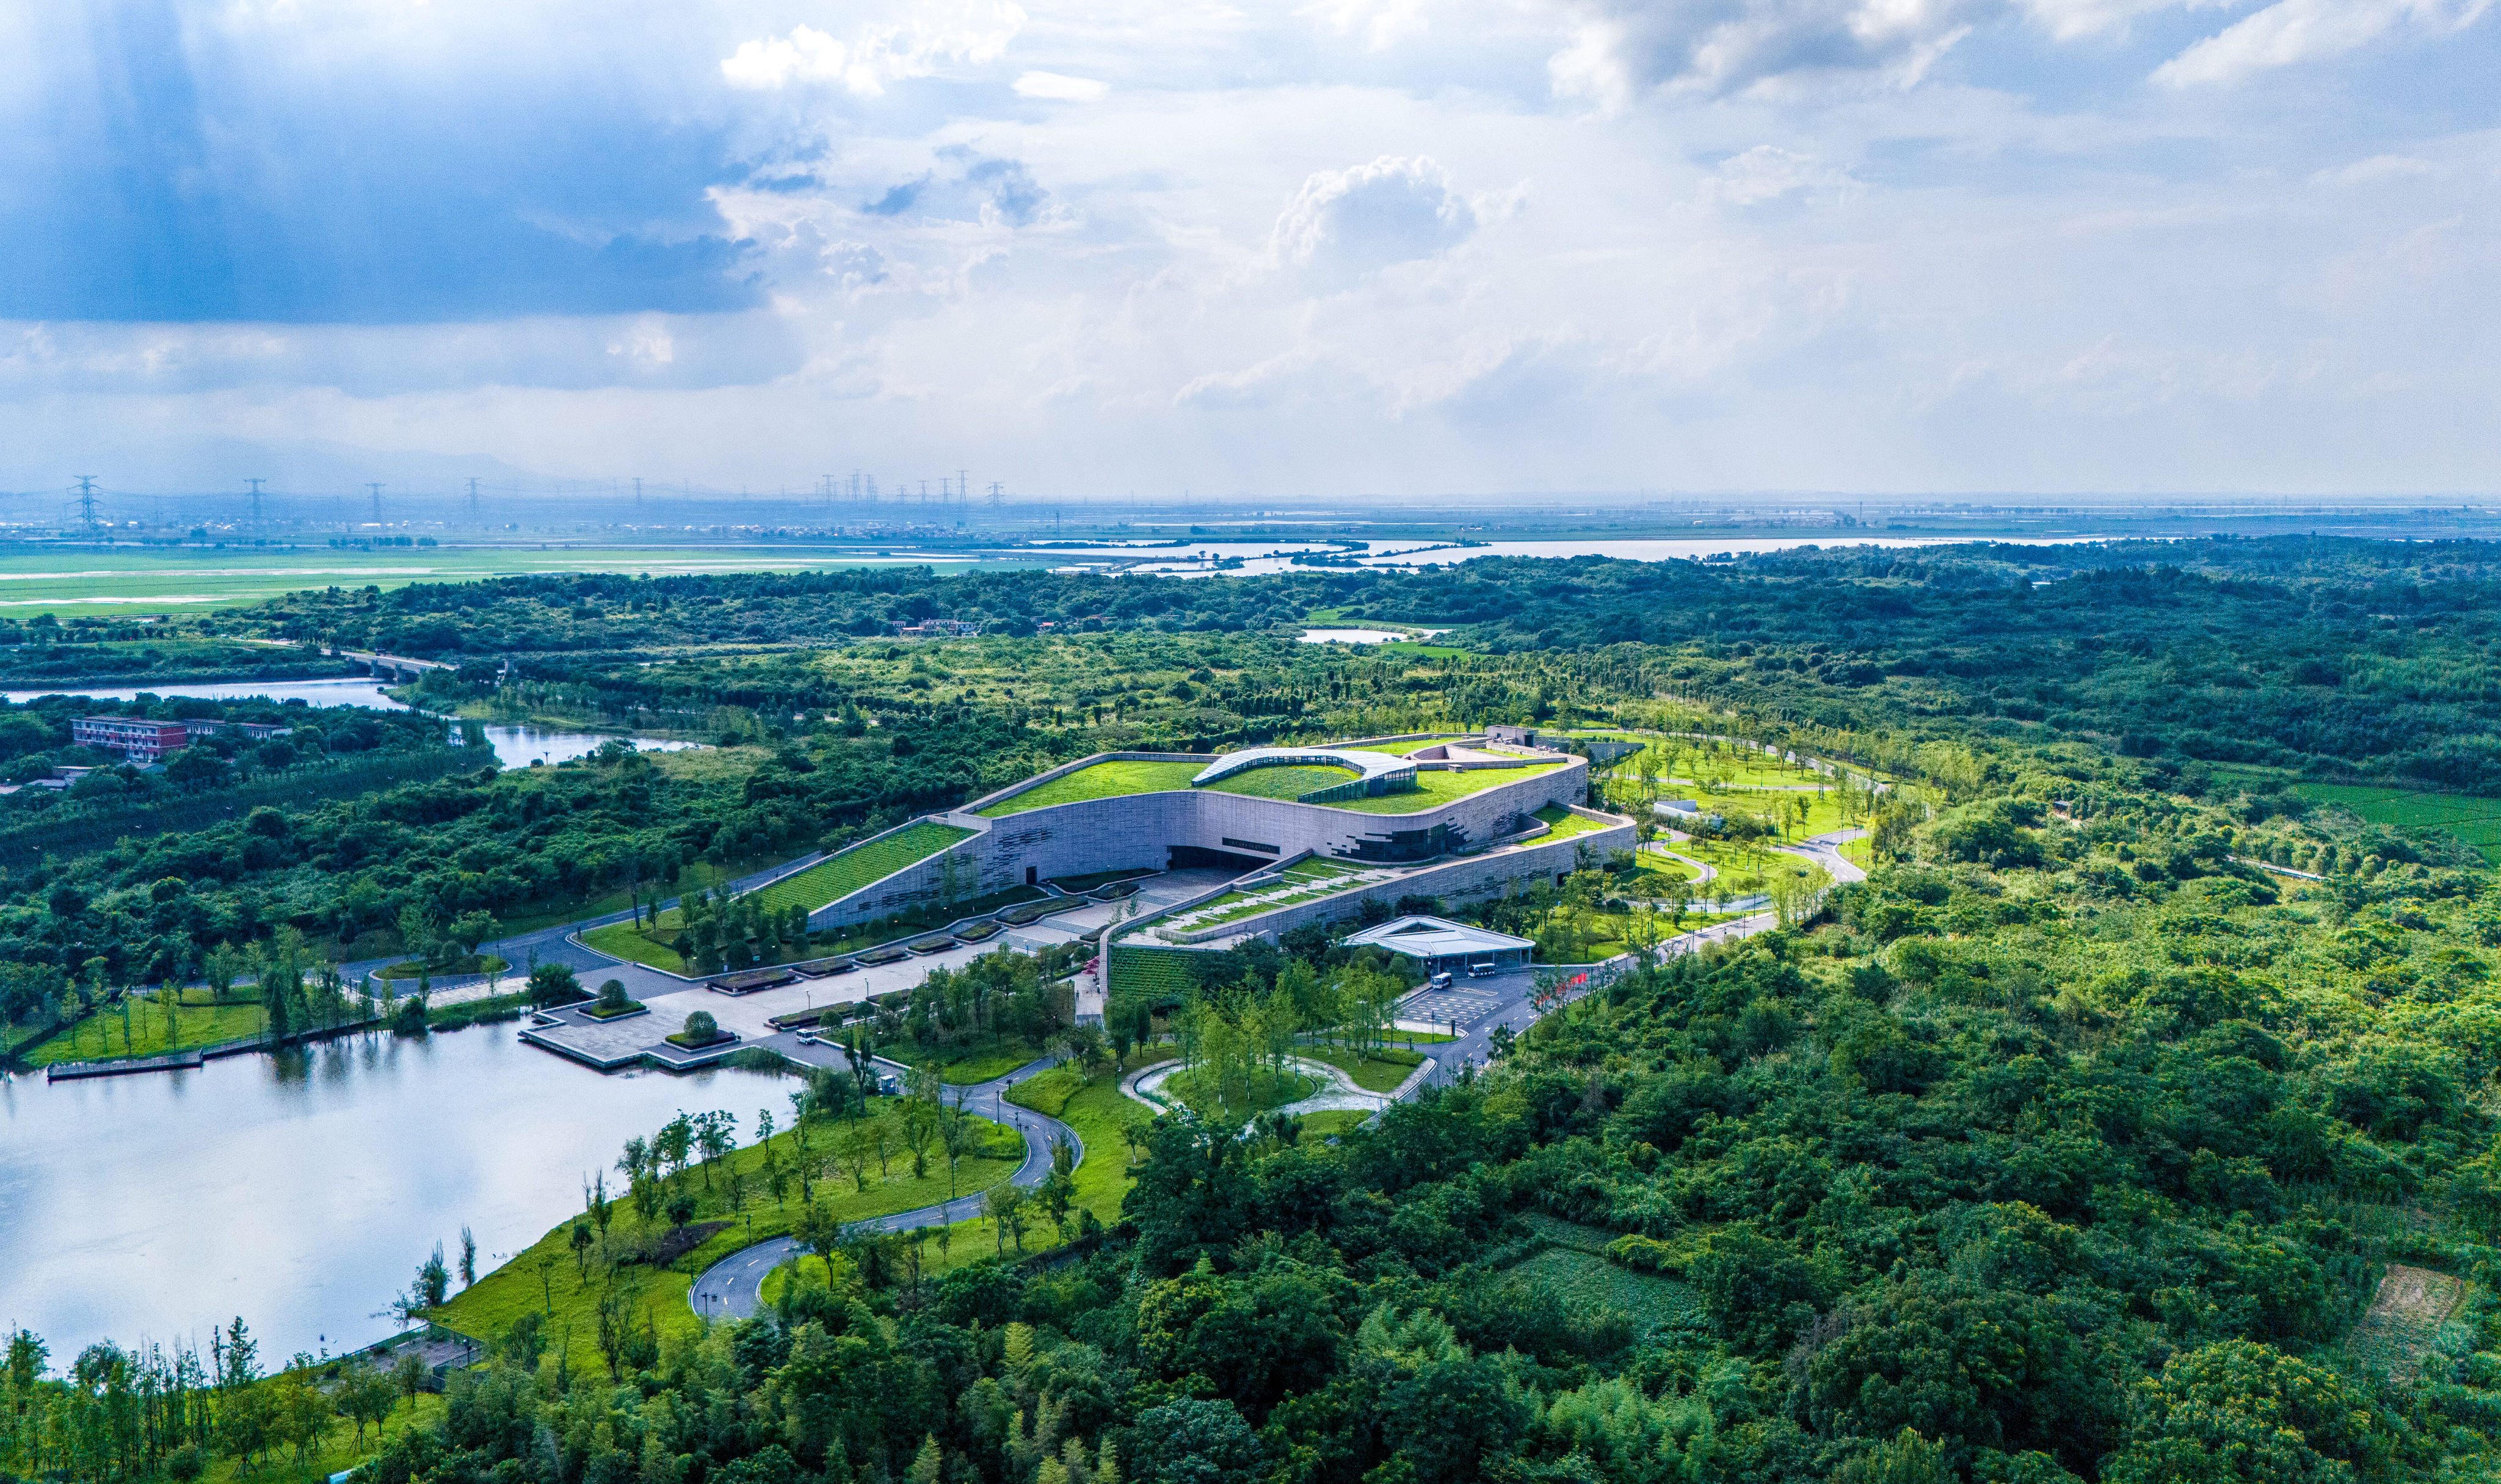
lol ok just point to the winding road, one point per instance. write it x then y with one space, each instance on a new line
733 1287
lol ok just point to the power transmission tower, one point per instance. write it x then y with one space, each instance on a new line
924 491
474 515
87 501
997 497
963 491
637 493
376 491
255 500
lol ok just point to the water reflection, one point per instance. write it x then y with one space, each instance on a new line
516 747
301 1190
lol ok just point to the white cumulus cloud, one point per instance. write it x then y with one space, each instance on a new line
1061 88
931 39
1347 222
2293 31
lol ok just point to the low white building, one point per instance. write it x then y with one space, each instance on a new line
1443 946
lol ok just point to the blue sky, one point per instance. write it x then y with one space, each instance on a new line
1402 247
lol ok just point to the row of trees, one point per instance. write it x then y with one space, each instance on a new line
115 1415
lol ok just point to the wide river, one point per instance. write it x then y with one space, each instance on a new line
519 747
301 1190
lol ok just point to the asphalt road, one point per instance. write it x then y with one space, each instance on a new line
732 1288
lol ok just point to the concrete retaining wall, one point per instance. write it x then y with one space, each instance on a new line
1139 830
1460 881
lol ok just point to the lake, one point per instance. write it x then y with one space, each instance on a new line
518 746
301 1190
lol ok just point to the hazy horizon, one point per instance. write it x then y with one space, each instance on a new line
1364 249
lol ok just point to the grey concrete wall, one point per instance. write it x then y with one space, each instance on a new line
1455 884
1137 831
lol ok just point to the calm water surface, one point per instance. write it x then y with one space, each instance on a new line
515 746
302 1191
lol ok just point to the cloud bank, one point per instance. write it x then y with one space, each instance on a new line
1397 246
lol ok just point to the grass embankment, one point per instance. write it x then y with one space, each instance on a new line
1103 780
1097 1111
964 1065
547 1278
1379 1070
847 870
1289 782
337 1450
197 1020
828 881
623 939
459 968
1440 786
1562 824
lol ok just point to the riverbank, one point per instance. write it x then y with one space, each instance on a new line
734 1207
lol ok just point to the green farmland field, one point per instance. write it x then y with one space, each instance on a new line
1583 1279
2472 819
190 579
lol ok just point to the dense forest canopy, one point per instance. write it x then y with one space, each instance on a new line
2344 655
2074 1144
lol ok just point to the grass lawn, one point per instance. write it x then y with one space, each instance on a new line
337 1450
409 968
1409 748
1316 869
1440 786
1107 780
964 1065
623 939
1264 1090
1659 866
1334 1122
1377 1071
2472 819
1103 780
1097 1111
847 871
197 1022
1563 824
544 1277
1584 1278
1289 782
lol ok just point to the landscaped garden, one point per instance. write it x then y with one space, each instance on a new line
840 874
625 1277
1434 787
153 1024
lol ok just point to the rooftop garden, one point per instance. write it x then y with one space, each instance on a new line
1434 787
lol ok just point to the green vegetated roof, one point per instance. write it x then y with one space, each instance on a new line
1114 780
839 876
1563 824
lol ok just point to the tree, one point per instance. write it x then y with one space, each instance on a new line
553 984
821 1232
412 1374
363 1396
470 929
1195 1442
433 1283
468 1258
2240 1411
221 967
